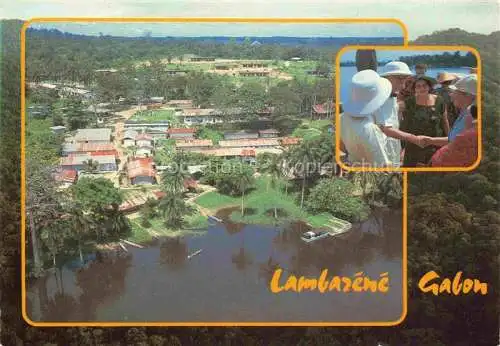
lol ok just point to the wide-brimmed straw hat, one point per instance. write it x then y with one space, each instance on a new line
443 77
396 68
467 84
368 93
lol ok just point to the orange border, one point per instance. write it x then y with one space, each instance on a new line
407 169
194 324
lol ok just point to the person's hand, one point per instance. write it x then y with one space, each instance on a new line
424 141
419 140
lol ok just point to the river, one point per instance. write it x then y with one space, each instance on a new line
229 279
346 73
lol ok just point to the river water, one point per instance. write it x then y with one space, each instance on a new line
229 279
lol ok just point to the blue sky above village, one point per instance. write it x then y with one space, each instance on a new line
228 29
421 17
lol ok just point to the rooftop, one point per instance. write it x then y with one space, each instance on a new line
83 135
141 167
181 130
249 142
242 152
290 140
269 131
87 147
324 108
66 176
79 159
130 134
193 143
226 152
144 137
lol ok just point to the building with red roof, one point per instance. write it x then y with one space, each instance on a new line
193 144
324 110
66 176
286 141
180 133
141 171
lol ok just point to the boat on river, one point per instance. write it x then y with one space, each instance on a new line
311 236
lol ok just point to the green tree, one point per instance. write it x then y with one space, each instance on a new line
96 196
42 207
148 211
305 158
173 178
335 196
53 237
173 209
82 226
244 183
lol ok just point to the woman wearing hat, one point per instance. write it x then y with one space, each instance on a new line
424 115
463 95
446 79
360 136
463 151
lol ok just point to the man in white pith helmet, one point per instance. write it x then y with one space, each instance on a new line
387 117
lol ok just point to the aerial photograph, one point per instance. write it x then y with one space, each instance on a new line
186 173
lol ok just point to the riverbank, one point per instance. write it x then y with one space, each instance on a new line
141 234
264 205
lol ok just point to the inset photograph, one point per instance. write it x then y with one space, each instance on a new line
409 108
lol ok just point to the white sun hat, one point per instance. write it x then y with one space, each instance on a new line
368 93
467 84
396 68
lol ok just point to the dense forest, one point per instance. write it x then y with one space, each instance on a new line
446 59
77 55
453 225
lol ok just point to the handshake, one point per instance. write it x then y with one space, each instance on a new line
423 141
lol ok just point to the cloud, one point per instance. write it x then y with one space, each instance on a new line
421 17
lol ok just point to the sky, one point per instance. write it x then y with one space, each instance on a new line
421 17
229 29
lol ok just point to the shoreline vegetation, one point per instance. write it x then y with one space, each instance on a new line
265 205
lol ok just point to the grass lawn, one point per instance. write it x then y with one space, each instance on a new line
262 201
298 69
311 129
141 234
151 116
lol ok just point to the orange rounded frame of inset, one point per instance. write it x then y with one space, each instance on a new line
406 169
195 324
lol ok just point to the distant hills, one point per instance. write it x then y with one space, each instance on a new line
313 42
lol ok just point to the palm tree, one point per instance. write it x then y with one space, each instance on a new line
271 164
244 183
173 178
117 222
82 224
148 211
91 166
305 154
173 208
